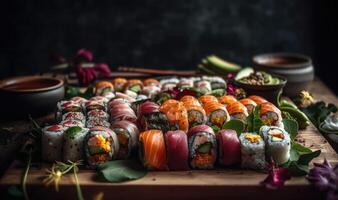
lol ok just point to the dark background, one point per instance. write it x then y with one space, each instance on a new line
166 34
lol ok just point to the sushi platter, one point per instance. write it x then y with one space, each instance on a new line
178 134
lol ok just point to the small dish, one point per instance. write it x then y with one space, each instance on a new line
35 95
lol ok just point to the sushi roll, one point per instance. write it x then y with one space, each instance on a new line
101 145
77 116
202 147
98 114
203 86
252 151
249 104
133 85
176 113
150 90
108 95
177 150
237 111
229 147
120 95
149 117
196 113
65 107
152 150
71 123
94 105
131 93
186 83
102 87
127 134
100 98
79 100
92 122
151 82
215 81
207 99
217 114
119 84
52 140
270 115
73 140
227 99
259 100
120 109
277 144
174 81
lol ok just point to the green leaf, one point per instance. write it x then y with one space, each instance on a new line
121 170
291 126
15 191
300 157
318 112
254 121
215 128
72 131
236 125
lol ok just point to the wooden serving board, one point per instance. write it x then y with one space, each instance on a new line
196 184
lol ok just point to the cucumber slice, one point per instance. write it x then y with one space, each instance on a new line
206 70
244 73
135 88
204 148
276 139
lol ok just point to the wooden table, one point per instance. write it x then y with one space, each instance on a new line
216 184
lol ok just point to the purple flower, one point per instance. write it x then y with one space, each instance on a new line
83 55
102 70
276 177
231 89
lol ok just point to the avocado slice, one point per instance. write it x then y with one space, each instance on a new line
135 88
222 64
245 72
276 139
204 148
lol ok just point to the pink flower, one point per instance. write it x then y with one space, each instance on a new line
83 55
277 176
87 75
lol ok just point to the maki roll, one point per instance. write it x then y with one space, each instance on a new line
176 113
227 99
92 122
277 144
101 145
249 104
94 105
270 114
203 86
102 87
151 82
120 110
186 83
202 147
151 90
77 116
196 113
52 140
152 150
259 100
177 150
127 134
216 82
100 98
217 114
149 117
229 147
120 95
237 111
98 114
79 100
71 123
133 85
207 99
73 140
119 84
252 151
65 107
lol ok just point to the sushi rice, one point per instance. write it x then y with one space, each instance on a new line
73 141
252 151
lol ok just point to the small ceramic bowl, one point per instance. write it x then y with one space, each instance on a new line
269 92
296 68
35 95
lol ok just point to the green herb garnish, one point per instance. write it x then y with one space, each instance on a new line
236 125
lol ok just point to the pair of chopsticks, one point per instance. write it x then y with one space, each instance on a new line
157 71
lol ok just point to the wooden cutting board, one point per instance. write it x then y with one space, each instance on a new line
213 184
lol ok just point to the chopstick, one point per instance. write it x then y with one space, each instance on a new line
157 71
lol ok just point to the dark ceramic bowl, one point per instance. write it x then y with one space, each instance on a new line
33 95
296 68
269 92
